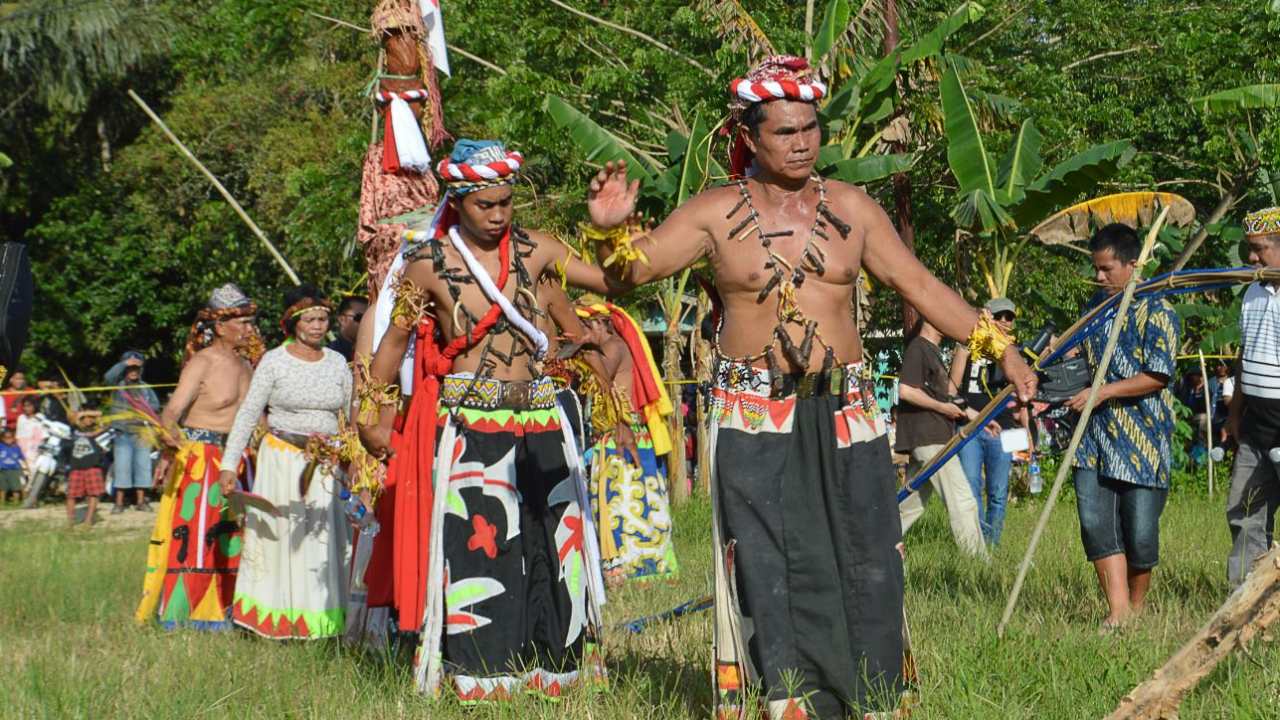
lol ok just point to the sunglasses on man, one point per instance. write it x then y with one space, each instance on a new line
1004 316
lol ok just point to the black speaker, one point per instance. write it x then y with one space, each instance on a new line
17 289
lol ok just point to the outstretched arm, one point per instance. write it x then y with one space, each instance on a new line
669 248
885 256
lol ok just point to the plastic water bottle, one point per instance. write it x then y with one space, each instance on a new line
1036 482
359 514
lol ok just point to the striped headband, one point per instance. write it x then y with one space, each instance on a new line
463 178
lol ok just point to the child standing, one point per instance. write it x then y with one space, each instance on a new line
11 464
85 478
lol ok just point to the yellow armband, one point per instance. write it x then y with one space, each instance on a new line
987 340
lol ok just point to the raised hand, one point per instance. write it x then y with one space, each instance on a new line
610 198
1022 377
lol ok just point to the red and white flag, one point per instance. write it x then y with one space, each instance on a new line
433 21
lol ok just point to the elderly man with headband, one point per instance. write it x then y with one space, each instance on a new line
496 561
809 576
191 585
1254 413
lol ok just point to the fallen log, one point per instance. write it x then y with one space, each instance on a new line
1248 613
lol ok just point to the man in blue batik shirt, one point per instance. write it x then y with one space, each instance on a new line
1122 464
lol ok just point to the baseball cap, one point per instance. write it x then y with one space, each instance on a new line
995 306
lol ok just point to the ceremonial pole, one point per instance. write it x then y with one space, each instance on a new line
1099 374
293 277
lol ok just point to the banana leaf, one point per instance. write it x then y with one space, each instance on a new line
931 43
1070 179
1135 209
966 153
597 144
862 170
834 23
1248 96
1023 162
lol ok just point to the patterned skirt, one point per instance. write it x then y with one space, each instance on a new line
293 568
809 579
194 553
512 601
632 510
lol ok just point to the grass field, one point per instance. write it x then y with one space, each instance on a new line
69 648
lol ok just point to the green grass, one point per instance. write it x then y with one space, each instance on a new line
69 648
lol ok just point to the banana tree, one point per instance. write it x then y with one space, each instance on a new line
998 199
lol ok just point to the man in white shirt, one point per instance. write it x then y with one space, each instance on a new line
1254 410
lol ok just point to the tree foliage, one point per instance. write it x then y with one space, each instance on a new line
127 238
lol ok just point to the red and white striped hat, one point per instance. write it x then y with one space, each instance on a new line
778 77
475 165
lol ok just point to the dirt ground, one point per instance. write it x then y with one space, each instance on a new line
55 512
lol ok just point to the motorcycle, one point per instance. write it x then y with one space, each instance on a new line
51 463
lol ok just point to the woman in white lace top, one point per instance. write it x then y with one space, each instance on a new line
292 580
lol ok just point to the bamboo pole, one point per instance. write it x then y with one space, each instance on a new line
1208 415
1099 374
293 277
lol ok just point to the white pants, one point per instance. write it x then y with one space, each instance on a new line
957 495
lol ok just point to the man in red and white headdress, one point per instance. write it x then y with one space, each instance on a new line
809 582
496 561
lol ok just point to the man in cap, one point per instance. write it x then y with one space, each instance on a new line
195 546
132 405
1254 410
500 569
986 463
809 580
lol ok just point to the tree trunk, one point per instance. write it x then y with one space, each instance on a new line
901 181
677 478
1247 614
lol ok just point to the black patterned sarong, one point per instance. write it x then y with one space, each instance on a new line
516 608
809 578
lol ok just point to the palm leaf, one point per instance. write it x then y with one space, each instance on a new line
1248 96
738 29
1135 209
1070 179
862 170
597 144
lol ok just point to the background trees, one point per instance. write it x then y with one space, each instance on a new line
127 239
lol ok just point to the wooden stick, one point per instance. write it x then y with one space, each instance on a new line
1208 415
293 277
1098 376
1247 614
635 33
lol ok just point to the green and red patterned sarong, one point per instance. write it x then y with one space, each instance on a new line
194 552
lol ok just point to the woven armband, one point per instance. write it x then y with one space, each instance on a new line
987 340
617 241
410 304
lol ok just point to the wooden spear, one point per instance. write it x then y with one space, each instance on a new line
293 277
1099 374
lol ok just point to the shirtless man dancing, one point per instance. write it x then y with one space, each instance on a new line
195 546
495 562
809 580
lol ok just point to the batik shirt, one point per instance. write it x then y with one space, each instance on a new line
1130 439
